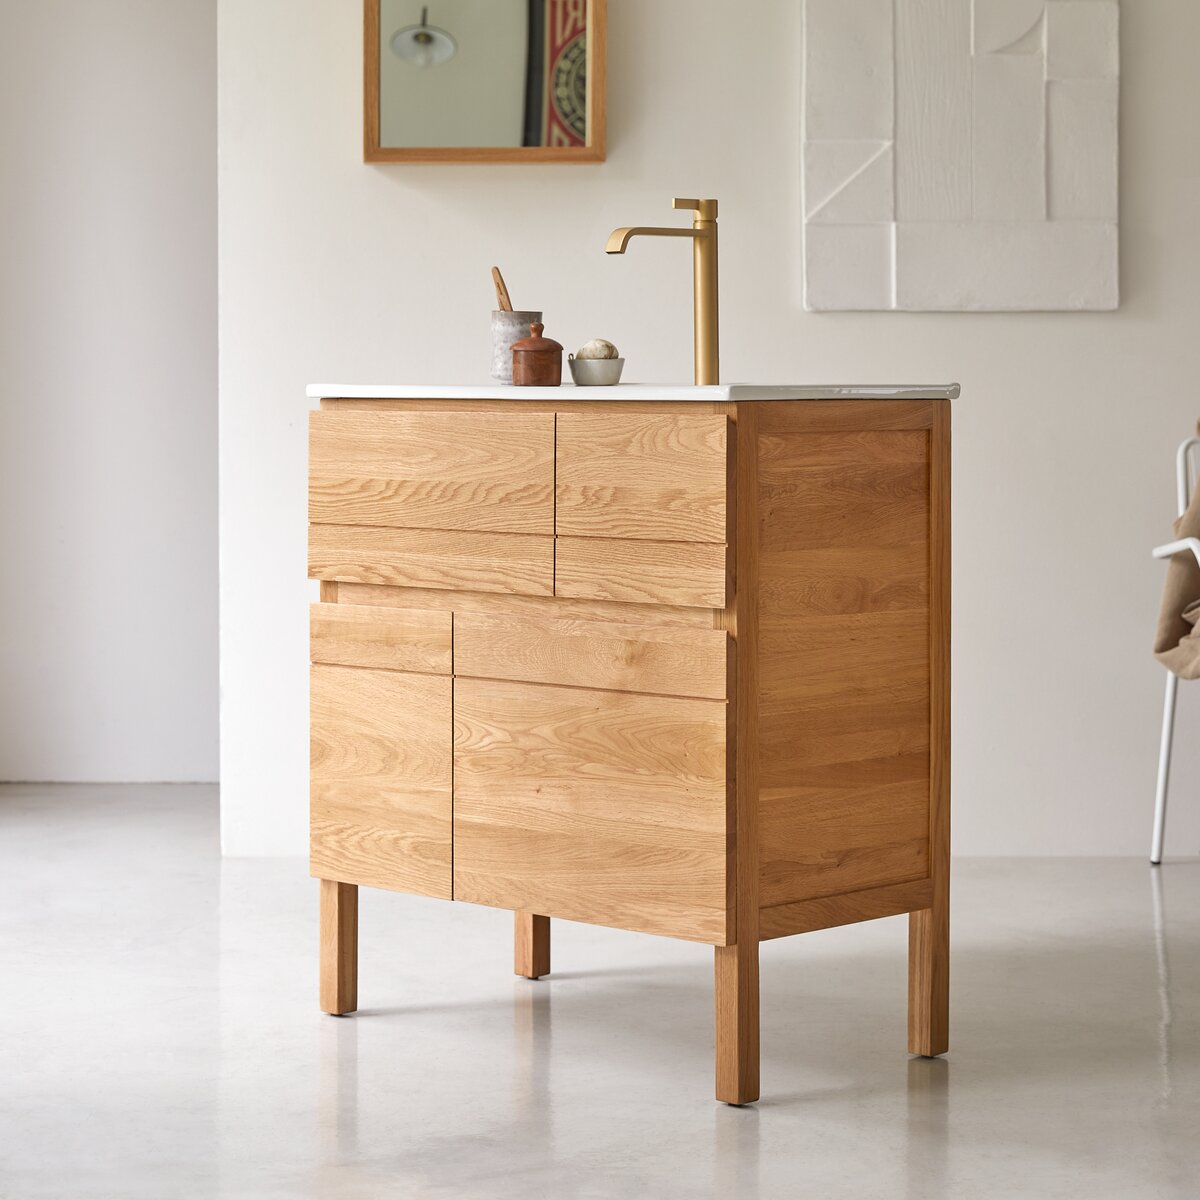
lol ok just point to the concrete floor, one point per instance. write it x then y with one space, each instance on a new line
162 1038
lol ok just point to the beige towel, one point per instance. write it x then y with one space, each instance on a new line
1177 644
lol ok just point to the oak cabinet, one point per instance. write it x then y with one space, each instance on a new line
679 668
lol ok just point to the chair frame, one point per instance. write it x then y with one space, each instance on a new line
1184 477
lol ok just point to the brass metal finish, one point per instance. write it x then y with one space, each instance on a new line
704 287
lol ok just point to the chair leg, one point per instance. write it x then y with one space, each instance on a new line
1164 769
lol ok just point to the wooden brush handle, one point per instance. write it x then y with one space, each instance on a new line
501 291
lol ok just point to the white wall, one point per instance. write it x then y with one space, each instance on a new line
108 390
1064 433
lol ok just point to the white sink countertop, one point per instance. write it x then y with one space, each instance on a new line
634 391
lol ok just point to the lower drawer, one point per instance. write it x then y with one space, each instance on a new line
381 779
594 806
516 563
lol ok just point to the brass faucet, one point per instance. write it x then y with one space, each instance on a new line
704 284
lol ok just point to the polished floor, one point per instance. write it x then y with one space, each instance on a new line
161 1038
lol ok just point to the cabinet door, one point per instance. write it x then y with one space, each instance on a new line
591 805
380 778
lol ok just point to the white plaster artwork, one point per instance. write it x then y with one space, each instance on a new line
960 154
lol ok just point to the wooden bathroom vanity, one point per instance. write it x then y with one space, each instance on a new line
673 660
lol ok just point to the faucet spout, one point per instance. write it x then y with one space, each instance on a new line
619 238
703 234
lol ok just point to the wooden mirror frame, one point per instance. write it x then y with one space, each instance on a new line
373 152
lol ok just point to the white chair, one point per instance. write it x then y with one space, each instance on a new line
1185 476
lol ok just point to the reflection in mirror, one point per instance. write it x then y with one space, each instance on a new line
521 77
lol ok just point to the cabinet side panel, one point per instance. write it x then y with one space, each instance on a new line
844 647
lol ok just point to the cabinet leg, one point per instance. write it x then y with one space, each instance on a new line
339 947
929 981
736 987
531 945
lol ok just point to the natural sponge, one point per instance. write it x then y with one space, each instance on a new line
598 348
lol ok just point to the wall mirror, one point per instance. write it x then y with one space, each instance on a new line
484 81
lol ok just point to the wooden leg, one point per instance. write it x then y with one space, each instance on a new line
929 981
531 945
736 983
339 947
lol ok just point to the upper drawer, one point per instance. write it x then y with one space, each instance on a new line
400 639
659 477
490 472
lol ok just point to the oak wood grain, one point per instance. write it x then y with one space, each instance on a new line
380 774
531 945
483 471
678 573
663 660
929 929
735 968
339 947
594 806
535 607
633 475
844 677
826 912
446 559
398 639
846 416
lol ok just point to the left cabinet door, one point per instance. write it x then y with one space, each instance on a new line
381 757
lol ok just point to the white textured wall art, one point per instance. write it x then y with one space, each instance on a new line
960 154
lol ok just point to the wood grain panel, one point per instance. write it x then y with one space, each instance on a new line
681 573
448 559
826 912
874 504
477 471
844 676
632 475
594 806
593 654
537 607
352 635
381 779
846 416
735 968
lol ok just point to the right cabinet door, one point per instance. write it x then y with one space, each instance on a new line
592 805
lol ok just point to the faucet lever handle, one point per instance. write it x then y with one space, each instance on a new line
706 210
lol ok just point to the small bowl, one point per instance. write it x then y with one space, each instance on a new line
596 372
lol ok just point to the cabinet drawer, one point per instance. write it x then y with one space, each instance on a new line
381 762
594 806
658 477
594 654
399 639
520 564
693 575
427 470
